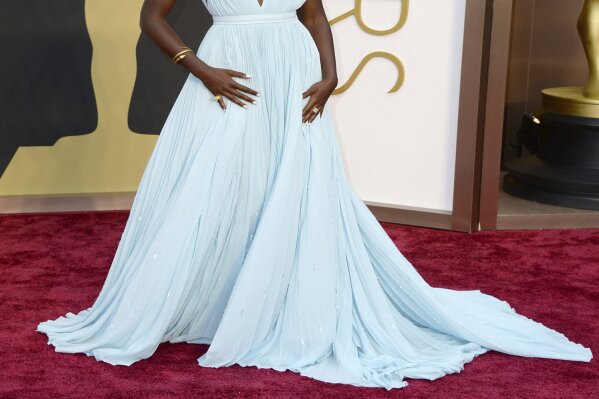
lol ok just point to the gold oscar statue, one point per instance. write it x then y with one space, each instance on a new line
564 169
581 101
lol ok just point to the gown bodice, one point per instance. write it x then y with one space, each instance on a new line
250 7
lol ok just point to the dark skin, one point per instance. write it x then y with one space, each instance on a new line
220 80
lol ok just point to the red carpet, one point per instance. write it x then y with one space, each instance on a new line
55 263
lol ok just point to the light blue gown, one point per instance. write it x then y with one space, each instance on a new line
245 234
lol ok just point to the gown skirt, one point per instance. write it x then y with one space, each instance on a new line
245 234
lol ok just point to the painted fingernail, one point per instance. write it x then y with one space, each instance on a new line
254 102
258 94
248 76
245 106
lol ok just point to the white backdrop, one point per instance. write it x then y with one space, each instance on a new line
399 148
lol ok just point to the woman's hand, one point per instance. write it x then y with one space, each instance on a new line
319 93
220 81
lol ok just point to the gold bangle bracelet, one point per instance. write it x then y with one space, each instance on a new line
180 53
181 57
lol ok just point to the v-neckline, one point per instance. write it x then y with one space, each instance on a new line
260 4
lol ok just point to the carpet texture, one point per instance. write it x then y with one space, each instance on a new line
55 263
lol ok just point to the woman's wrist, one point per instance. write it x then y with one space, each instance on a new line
196 66
331 79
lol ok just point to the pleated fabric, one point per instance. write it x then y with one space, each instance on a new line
245 234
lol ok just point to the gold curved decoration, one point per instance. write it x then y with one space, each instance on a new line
356 12
380 54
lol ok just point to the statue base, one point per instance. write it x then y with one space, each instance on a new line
533 179
565 170
569 101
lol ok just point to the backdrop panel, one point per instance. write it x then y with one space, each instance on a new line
396 109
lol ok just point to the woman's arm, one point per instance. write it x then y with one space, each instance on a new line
219 81
312 15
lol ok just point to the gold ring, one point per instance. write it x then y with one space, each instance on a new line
315 110
218 97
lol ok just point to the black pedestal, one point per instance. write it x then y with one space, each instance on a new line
565 171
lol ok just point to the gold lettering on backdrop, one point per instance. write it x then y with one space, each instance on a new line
356 12
365 60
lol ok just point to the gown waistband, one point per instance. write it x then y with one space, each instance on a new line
254 18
